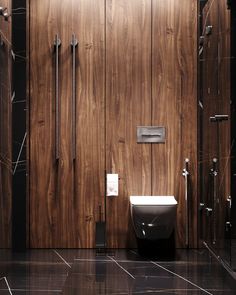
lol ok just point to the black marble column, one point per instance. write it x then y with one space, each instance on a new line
19 135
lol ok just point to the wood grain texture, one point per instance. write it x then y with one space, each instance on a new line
50 181
128 105
5 131
65 196
89 27
136 66
174 76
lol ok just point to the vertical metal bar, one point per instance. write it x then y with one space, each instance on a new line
186 176
74 44
57 44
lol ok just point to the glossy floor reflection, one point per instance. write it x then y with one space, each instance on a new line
115 272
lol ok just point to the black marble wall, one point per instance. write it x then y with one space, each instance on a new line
5 126
19 135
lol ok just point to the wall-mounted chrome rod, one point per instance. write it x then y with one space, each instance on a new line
57 44
186 177
214 173
74 44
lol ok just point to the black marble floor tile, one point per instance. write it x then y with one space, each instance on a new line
201 274
3 287
115 272
29 256
34 270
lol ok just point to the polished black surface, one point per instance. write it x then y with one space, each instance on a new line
114 272
19 107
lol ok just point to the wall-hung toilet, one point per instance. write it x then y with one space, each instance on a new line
153 217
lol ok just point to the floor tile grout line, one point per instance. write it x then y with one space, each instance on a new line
105 260
62 258
6 281
31 290
179 276
126 271
92 260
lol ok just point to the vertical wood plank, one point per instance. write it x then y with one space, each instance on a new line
174 102
128 105
50 181
89 27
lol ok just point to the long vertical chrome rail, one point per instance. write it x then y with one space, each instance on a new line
74 44
57 44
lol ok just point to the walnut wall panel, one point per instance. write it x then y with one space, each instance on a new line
89 27
136 66
65 194
174 106
128 105
51 193
5 130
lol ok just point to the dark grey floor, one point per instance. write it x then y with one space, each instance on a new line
116 272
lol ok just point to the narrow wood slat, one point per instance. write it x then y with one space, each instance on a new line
128 105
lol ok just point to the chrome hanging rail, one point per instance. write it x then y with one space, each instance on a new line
186 174
74 44
57 44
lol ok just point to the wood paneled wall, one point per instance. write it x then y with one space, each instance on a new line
128 105
174 103
5 129
136 65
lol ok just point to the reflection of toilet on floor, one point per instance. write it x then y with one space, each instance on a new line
153 217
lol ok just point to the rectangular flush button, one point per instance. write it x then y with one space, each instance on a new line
151 134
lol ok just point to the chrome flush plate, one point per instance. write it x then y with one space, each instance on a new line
151 134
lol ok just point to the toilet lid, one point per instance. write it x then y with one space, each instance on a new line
153 200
